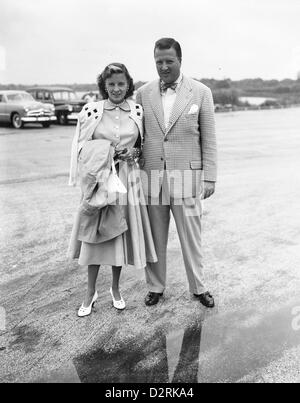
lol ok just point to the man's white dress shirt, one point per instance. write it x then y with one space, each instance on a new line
168 100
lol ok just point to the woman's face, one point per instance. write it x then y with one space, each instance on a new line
116 87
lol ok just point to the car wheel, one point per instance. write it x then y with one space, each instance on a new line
46 124
16 121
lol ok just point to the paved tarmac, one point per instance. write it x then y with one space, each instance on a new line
251 237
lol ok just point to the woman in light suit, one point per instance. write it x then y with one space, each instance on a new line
118 119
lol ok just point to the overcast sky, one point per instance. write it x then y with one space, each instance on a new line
68 41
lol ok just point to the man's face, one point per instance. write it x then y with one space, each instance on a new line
167 64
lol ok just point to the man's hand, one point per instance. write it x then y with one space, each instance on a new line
208 189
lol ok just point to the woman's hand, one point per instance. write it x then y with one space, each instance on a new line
118 153
130 155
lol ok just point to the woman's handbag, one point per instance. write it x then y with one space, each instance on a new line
109 195
114 183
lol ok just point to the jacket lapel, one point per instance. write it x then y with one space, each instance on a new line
156 104
184 96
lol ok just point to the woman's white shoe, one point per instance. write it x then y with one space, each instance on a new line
118 304
85 311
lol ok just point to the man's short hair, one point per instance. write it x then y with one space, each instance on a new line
168 43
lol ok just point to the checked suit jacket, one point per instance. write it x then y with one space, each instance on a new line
186 149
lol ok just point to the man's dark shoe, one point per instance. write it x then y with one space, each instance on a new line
206 299
152 298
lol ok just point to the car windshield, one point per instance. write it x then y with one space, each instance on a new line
19 97
64 95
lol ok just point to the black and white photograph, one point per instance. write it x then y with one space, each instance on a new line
149 194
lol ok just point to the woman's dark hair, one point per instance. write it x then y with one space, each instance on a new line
168 43
114 68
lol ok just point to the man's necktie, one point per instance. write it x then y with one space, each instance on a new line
165 86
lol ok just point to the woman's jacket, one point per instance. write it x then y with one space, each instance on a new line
88 119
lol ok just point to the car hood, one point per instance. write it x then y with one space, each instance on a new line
78 102
68 102
32 105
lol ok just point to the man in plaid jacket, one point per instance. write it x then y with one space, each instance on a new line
179 165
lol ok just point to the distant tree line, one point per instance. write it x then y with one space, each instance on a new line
224 91
227 91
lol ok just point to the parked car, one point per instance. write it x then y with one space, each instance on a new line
67 104
19 107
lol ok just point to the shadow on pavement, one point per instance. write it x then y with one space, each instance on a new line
223 348
165 358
